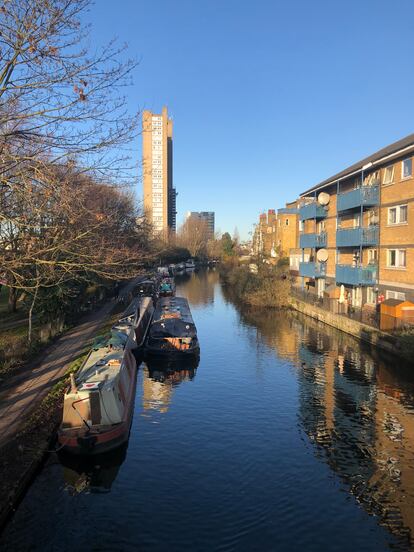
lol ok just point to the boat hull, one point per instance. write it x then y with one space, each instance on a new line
98 439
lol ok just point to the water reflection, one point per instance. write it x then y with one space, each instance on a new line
199 286
94 474
160 379
356 407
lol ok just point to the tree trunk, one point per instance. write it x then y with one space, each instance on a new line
29 337
12 304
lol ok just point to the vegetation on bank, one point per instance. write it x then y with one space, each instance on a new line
269 287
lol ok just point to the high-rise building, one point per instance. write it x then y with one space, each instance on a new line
157 153
207 216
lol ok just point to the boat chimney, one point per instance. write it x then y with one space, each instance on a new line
73 388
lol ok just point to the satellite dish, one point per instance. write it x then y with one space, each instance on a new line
323 198
322 255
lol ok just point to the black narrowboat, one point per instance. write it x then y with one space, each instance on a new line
172 332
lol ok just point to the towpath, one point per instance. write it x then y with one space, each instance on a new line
24 391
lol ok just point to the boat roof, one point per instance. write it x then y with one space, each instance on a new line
105 359
173 307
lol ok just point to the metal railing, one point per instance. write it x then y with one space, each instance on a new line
313 240
354 237
312 269
312 211
356 275
365 196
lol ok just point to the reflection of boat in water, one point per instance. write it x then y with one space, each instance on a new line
98 406
172 332
92 474
160 379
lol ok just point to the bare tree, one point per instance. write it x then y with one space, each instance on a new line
59 226
193 235
57 100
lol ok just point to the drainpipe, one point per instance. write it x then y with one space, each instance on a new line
337 226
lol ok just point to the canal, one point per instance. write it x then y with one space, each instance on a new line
287 436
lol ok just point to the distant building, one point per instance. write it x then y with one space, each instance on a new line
207 216
276 234
157 153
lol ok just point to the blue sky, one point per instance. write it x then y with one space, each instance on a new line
268 97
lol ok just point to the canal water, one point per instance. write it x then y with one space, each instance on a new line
287 436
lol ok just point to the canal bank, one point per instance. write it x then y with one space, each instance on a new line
288 435
394 344
31 405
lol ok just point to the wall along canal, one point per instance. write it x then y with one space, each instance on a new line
287 436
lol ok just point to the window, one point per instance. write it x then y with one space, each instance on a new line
397 258
397 215
287 222
357 221
371 296
372 256
372 179
389 294
407 168
301 226
388 177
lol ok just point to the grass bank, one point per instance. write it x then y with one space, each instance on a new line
22 456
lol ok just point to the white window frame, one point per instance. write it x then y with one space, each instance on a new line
410 159
389 180
372 256
398 257
398 220
391 294
371 294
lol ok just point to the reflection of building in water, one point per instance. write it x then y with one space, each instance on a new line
199 289
356 405
94 474
364 426
159 383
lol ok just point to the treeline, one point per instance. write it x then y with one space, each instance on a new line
66 217
269 286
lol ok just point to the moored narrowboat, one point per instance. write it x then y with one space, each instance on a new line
98 405
167 287
172 331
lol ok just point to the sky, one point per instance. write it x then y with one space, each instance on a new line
268 97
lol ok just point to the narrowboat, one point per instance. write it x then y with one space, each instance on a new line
172 332
167 287
148 288
98 405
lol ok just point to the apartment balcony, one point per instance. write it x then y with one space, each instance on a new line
366 196
314 241
312 270
356 275
312 211
355 237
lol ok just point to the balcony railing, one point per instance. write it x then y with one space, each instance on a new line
312 270
356 275
366 196
314 241
312 211
354 237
